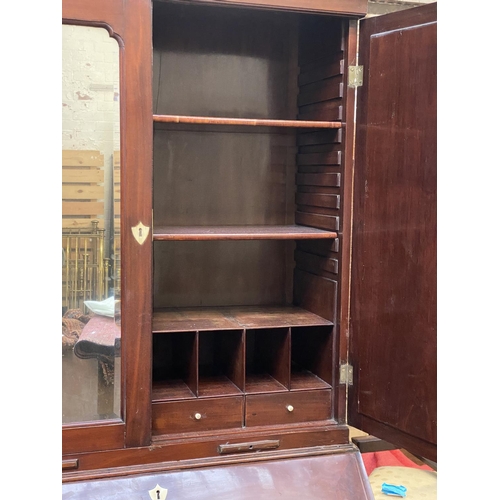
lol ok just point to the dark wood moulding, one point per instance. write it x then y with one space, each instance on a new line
204 233
211 120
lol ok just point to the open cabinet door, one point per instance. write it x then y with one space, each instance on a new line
393 293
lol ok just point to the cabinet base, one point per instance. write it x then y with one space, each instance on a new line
203 449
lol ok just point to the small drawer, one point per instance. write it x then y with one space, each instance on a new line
288 407
197 415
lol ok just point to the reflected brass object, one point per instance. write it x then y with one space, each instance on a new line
197 416
289 408
140 233
85 269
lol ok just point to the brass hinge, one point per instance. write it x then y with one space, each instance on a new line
355 78
346 374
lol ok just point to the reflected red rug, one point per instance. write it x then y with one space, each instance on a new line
393 458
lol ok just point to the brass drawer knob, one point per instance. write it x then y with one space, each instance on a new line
197 416
289 408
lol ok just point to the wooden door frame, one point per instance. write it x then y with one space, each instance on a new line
130 24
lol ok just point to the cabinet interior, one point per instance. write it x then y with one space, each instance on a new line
246 217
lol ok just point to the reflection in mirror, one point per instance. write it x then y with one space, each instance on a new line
91 330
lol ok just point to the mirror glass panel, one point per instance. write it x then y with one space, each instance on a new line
90 240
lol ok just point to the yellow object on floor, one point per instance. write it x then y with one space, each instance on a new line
420 484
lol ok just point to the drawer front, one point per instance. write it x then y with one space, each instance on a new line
288 408
197 415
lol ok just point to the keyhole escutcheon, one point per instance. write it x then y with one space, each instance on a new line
140 232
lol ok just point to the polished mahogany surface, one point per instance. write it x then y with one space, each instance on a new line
230 318
342 7
202 233
336 476
246 122
394 233
266 373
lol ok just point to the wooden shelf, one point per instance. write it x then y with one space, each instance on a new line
171 390
205 233
209 387
305 380
216 386
233 318
262 383
211 120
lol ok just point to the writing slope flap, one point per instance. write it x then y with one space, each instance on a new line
393 299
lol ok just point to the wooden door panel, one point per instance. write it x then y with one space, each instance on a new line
393 320
130 24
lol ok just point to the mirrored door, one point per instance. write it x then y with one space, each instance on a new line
90 238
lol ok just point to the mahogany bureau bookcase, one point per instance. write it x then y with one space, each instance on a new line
278 253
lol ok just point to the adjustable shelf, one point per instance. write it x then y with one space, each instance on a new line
231 318
206 233
248 122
